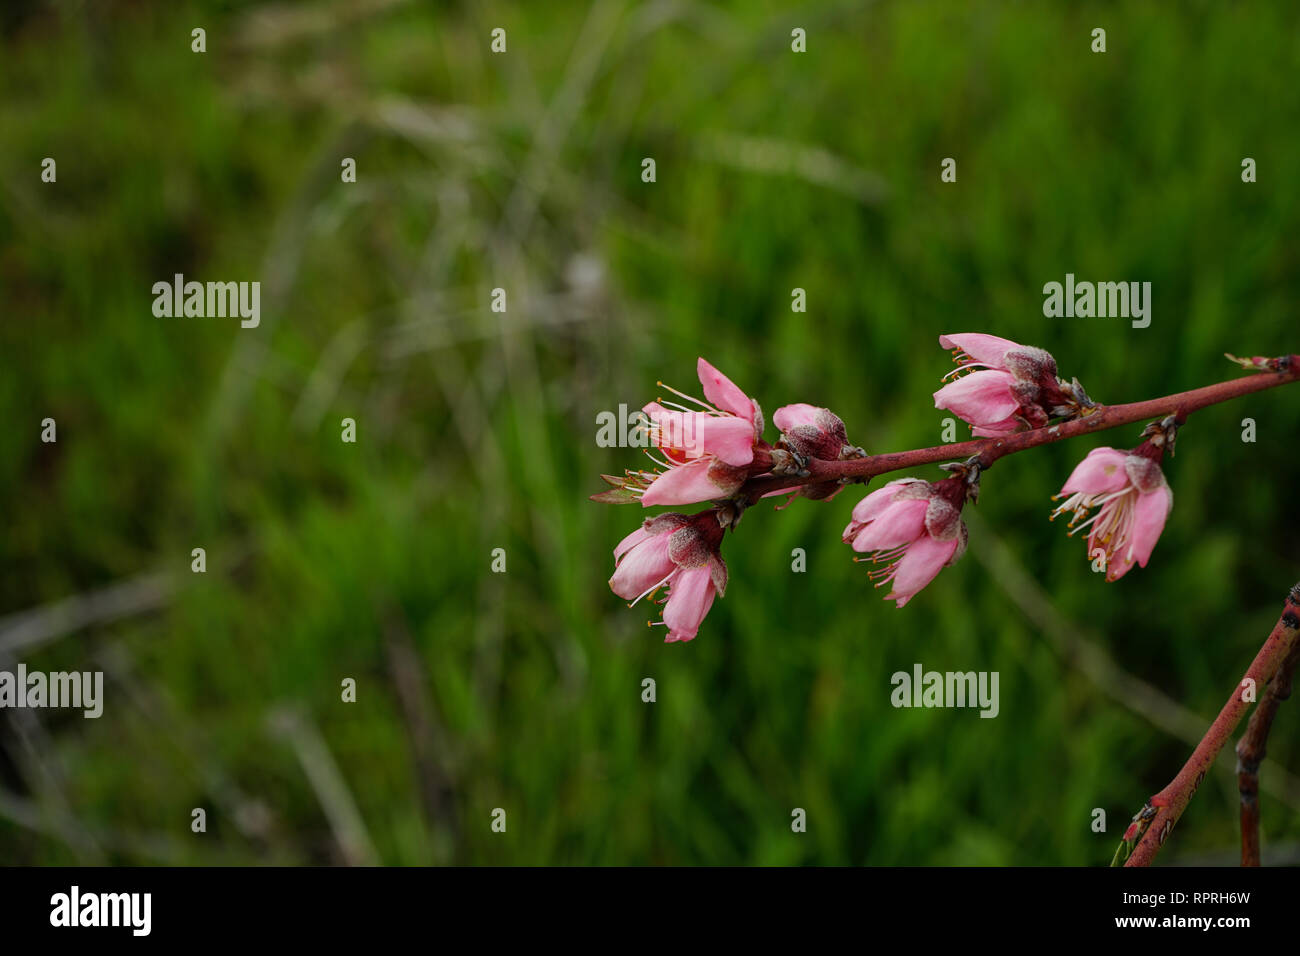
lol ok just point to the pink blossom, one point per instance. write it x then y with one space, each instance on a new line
687 436
812 432
1000 386
789 417
985 398
1133 501
678 553
815 433
978 349
914 528
706 453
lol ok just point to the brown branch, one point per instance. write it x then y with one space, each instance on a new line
1168 805
1250 751
989 450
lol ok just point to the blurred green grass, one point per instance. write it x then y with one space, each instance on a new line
477 430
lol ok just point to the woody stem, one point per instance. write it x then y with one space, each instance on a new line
1173 799
1250 752
1099 418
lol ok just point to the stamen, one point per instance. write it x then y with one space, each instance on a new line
653 588
965 363
1073 530
687 397
680 408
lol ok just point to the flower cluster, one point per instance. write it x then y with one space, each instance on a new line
712 450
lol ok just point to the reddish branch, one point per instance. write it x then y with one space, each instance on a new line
1168 805
989 450
1276 659
1251 751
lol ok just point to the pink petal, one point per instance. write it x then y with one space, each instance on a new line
723 393
1149 521
682 485
980 397
689 600
923 560
984 349
1008 426
1118 565
695 434
676 430
791 416
1100 473
730 439
642 568
631 541
899 523
783 491
876 502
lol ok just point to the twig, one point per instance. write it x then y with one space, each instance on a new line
1082 649
1250 751
989 450
1165 808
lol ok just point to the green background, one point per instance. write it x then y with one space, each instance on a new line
476 430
